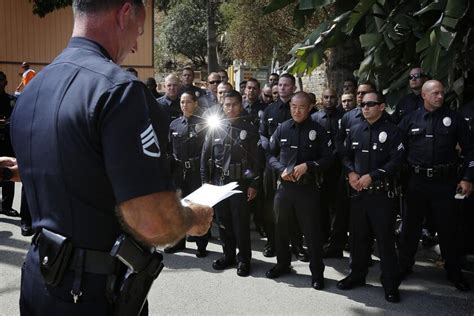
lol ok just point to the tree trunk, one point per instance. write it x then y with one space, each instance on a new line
212 64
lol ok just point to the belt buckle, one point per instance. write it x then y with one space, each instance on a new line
429 172
226 173
187 164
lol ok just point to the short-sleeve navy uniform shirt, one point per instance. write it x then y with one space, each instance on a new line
88 136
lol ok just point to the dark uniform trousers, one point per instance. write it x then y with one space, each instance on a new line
435 194
334 208
303 201
234 215
36 296
188 183
374 215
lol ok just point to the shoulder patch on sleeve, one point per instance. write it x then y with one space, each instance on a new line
150 143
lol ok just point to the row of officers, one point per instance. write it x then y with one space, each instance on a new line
300 166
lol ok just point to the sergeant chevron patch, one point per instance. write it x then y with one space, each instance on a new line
150 144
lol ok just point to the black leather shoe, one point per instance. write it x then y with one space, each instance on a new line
10 212
332 253
222 263
300 253
178 247
392 297
460 283
260 231
201 253
277 271
318 284
350 283
243 269
26 229
269 252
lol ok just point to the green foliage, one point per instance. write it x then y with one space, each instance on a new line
183 34
395 34
43 7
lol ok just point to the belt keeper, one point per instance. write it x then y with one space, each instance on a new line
78 270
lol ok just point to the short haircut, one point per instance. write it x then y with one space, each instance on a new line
255 81
354 82
289 76
243 82
274 74
368 83
171 77
3 76
94 6
226 84
190 93
302 95
150 81
380 96
233 94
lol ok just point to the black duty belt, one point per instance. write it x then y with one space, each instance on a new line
438 171
191 164
99 262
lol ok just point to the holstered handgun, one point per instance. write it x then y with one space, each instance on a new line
143 268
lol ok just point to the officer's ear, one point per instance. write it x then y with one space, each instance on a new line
382 107
124 14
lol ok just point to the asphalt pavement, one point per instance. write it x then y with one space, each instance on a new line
189 286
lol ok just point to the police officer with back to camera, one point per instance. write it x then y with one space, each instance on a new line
334 217
230 153
374 152
87 137
299 151
432 134
273 115
187 135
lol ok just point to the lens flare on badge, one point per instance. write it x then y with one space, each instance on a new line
213 121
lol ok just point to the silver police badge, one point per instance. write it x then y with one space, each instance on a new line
447 121
243 134
312 135
382 137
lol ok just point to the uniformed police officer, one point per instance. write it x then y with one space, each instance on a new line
299 150
7 102
187 82
432 135
87 137
230 153
412 100
273 115
187 135
170 101
374 152
334 218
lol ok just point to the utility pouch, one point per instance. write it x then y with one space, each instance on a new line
143 268
54 251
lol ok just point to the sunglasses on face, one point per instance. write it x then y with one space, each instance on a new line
215 82
370 104
268 95
415 76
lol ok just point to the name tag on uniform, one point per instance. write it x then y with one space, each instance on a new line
175 133
429 135
365 151
283 140
294 147
415 129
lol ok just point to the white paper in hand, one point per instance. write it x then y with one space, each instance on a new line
210 194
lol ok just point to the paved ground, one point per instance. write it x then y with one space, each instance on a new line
189 285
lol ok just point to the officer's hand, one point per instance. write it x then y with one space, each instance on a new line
202 219
251 194
10 163
300 170
465 187
286 176
354 180
365 181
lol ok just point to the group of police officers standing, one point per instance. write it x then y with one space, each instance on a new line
82 111
308 168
